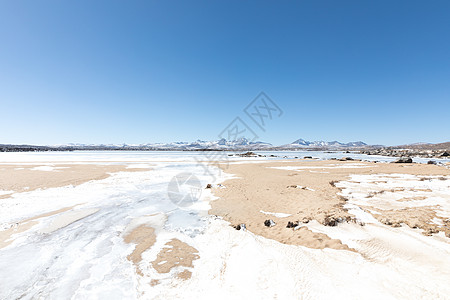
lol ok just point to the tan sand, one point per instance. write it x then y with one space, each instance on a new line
176 254
414 217
259 187
144 237
25 178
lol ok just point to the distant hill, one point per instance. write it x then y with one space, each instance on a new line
425 146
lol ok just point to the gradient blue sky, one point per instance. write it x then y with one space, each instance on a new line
158 71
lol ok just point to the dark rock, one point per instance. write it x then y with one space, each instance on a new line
431 162
307 157
386 222
248 154
445 154
330 221
342 198
430 231
346 158
209 186
269 223
241 227
291 224
403 160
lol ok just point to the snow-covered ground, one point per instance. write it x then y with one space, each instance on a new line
81 254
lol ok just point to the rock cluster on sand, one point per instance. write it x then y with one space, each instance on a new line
291 224
407 152
251 154
403 160
346 158
331 221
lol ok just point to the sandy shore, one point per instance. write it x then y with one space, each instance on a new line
305 190
25 177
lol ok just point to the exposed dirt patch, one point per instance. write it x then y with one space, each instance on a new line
144 237
176 254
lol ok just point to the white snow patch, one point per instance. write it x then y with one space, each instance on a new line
329 166
62 220
47 168
3 192
138 166
278 215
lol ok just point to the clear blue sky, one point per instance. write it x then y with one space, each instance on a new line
158 71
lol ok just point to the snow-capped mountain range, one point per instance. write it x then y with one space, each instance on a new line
301 143
222 144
